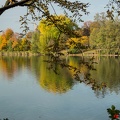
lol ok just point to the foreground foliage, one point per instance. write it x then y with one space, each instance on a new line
113 113
38 9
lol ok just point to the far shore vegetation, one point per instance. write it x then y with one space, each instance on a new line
98 37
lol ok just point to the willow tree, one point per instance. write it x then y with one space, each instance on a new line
52 36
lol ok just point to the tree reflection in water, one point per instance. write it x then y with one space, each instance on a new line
78 70
59 75
59 81
11 65
108 71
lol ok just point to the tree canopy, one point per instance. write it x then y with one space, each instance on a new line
54 33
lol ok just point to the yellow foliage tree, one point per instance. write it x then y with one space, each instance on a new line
6 39
25 44
51 32
85 40
3 43
71 42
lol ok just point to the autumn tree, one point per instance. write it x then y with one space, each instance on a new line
52 36
3 42
5 38
15 43
11 40
9 33
86 28
8 41
24 44
74 45
29 35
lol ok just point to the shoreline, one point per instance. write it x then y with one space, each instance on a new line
18 53
28 53
95 55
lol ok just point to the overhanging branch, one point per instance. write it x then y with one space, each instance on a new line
20 3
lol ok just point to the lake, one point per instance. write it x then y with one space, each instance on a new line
30 90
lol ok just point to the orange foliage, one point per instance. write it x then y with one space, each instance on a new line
14 42
8 37
8 67
9 33
3 43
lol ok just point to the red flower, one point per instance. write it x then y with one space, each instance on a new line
116 116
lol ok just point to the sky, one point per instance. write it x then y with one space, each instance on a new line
10 18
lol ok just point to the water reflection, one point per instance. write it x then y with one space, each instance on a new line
107 72
52 82
11 65
79 63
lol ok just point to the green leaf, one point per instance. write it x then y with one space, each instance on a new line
113 107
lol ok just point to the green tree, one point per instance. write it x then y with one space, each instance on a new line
117 31
105 35
94 30
101 37
9 44
35 43
24 44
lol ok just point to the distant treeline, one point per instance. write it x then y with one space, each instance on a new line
102 33
105 34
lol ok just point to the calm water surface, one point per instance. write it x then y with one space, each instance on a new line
29 91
